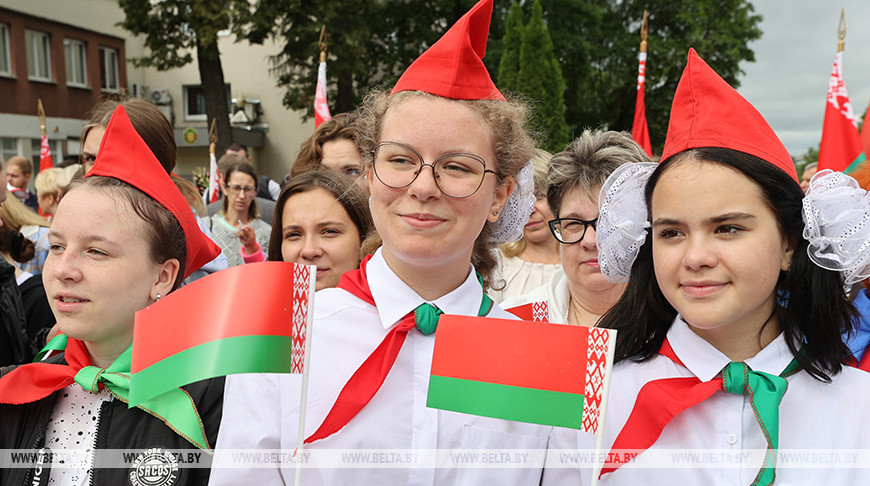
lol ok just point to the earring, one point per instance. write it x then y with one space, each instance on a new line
158 298
495 213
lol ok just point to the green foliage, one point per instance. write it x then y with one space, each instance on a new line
540 81
509 66
596 42
811 156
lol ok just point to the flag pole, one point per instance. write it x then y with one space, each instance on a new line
322 43
644 31
41 112
841 31
212 136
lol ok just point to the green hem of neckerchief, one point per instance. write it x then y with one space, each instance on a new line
426 315
57 343
175 408
765 395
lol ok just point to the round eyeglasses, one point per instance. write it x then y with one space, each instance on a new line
571 230
457 175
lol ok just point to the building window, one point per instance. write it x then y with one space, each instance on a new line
38 55
76 62
194 103
9 148
109 69
5 60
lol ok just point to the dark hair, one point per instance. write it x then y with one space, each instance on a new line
162 230
817 311
19 248
246 168
238 147
341 187
342 126
147 119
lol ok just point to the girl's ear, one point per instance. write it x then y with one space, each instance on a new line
165 278
788 248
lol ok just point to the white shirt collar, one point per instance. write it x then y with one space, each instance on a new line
394 299
705 361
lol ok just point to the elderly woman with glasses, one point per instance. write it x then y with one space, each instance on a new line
237 228
578 294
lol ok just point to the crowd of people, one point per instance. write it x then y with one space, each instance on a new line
735 287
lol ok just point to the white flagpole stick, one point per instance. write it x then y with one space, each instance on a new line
599 442
312 270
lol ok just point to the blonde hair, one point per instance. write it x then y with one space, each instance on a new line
513 146
15 215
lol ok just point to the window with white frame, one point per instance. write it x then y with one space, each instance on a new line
38 55
109 77
75 55
5 58
194 102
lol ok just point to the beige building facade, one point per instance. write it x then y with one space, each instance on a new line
273 133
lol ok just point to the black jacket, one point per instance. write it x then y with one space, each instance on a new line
14 345
147 438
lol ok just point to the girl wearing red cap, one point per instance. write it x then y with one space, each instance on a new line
441 156
122 238
729 344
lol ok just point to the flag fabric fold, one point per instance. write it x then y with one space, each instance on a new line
190 335
639 128
841 143
544 374
45 161
212 193
321 108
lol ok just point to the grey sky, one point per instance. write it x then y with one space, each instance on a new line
788 81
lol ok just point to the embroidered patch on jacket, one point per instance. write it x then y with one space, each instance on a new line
154 466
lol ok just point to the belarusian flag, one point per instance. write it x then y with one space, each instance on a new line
548 374
865 133
841 143
45 161
640 129
246 319
321 108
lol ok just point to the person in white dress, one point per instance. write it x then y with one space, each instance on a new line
441 164
730 365
577 293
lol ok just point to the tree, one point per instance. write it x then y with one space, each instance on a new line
173 28
540 80
596 42
509 65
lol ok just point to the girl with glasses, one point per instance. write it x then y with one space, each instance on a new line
441 161
578 294
237 228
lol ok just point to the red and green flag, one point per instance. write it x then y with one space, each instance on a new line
549 374
841 148
639 127
250 318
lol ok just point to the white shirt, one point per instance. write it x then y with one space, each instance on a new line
555 293
519 276
262 410
812 415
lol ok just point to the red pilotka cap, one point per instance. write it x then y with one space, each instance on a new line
123 155
453 67
707 112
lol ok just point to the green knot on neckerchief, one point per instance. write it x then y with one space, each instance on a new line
426 315
765 394
175 408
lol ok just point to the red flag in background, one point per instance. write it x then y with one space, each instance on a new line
841 143
45 161
321 108
639 128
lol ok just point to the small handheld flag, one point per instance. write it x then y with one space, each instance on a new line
549 374
45 161
190 335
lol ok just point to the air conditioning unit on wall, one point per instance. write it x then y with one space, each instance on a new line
161 97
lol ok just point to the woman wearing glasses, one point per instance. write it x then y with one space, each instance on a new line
237 228
440 170
578 294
